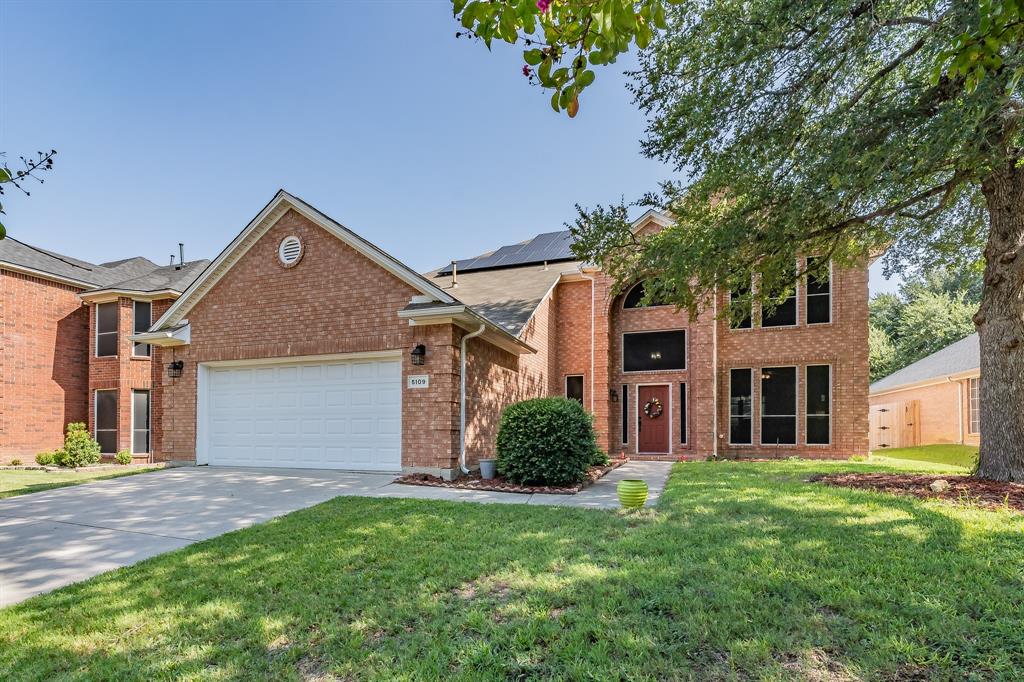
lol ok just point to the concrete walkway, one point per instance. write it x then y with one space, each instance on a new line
53 538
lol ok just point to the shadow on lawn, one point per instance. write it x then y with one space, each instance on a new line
736 573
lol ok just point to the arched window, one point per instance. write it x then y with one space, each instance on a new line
634 296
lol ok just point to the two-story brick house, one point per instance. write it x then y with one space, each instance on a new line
304 345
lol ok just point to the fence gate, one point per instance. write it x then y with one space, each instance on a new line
895 425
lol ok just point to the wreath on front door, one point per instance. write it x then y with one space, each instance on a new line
653 408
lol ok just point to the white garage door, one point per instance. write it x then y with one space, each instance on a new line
330 415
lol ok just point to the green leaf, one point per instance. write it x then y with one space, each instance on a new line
3 231
5 175
533 57
458 6
554 102
585 78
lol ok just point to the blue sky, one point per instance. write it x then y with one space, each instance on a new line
178 121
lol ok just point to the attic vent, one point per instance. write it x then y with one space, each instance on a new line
290 251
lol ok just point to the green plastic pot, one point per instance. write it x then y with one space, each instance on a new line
632 493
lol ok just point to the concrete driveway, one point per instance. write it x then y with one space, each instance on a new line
50 539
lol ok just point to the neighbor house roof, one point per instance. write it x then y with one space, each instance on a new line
173 278
507 296
961 357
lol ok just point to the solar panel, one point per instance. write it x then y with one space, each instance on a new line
549 246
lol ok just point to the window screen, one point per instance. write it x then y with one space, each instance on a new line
143 319
574 388
740 313
741 408
106 421
652 351
682 413
778 406
106 329
625 413
140 421
974 422
819 295
819 404
784 314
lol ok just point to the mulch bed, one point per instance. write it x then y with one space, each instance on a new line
963 489
499 484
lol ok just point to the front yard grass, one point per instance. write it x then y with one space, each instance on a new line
23 481
963 456
745 571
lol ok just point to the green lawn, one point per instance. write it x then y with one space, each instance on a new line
965 456
744 572
23 481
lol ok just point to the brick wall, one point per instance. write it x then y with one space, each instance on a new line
43 364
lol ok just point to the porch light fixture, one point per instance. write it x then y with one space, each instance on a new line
174 368
655 355
613 395
419 352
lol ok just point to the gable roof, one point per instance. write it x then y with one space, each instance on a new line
167 278
507 296
51 264
259 225
960 357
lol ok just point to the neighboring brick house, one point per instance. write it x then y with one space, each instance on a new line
303 345
934 400
50 363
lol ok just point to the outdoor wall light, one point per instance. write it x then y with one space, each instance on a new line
174 368
613 395
419 352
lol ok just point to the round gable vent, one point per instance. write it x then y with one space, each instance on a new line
290 251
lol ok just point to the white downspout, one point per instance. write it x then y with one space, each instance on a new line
714 376
462 396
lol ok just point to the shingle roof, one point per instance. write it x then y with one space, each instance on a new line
506 296
163 278
19 253
956 358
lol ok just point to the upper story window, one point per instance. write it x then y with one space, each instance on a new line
819 294
741 312
784 314
654 351
143 319
635 296
106 329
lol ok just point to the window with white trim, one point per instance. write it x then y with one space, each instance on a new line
784 314
105 420
818 401
106 329
634 298
140 422
974 406
625 413
142 314
819 294
574 387
741 407
654 351
778 406
740 309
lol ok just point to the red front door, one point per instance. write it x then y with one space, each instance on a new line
653 419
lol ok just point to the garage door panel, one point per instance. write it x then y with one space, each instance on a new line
339 414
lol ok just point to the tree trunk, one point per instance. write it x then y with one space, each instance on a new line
1000 322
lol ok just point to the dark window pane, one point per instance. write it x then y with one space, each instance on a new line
574 388
744 310
107 441
740 430
106 344
106 317
682 413
778 430
817 389
143 310
817 284
106 410
819 309
784 314
778 391
654 351
817 430
634 295
625 413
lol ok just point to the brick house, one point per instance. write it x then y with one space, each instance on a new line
934 400
304 345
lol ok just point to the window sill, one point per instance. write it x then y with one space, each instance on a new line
142 357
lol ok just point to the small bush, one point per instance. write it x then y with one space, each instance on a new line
80 448
45 459
600 458
858 458
15 462
123 457
546 441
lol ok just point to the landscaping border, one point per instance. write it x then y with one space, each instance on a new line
500 485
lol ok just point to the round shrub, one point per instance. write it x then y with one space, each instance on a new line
546 441
44 459
123 457
80 448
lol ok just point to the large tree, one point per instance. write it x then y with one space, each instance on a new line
838 129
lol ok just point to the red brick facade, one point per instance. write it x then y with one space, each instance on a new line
336 301
43 364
